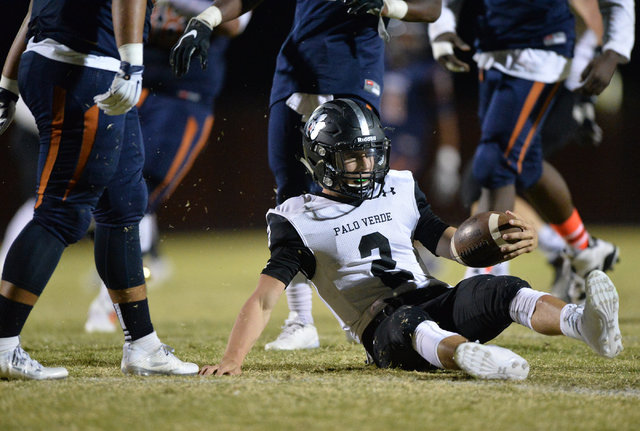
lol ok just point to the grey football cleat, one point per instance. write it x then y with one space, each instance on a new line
600 255
490 362
17 364
600 329
138 361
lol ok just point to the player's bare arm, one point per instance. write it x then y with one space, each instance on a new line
250 323
619 30
128 20
590 14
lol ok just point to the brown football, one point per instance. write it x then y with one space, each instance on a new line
477 241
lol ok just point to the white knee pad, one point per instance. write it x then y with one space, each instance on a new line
523 305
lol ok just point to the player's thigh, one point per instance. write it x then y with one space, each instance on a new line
79 149
124 199
513 112
478 307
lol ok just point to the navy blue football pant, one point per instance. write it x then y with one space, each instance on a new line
512 112
90 164
175 132
476 308
285 151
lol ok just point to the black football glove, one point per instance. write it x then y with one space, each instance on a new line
356 7
195 40
8 101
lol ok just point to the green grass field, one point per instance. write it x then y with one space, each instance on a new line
324 389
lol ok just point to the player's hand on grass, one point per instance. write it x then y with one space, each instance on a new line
443 51
526 240
124 91
194 41
8 100
598 73
226 367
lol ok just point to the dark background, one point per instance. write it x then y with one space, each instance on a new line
231 187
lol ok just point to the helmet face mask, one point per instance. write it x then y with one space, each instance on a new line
346 150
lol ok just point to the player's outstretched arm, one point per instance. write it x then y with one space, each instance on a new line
196 37
250 323
619 31
9 82
444 39
128 28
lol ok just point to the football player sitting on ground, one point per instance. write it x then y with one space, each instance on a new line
354 241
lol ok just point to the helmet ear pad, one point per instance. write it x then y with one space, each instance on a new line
338 127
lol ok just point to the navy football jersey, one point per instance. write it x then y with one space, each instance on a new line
514 24
329 51
85 26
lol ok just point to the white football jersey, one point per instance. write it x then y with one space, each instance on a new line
364 253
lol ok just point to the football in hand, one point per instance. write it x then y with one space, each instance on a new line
477 241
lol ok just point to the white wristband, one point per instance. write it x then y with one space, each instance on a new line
396 8
211 16
131 53
9 84
441 48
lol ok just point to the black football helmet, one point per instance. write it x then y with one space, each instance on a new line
340 131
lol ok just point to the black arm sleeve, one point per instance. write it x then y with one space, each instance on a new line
430 228
288 253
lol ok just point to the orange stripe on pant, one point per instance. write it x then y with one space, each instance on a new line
532 132
189 133
59 96
88 139
529 103
204 137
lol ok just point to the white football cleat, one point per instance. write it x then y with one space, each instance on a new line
17 364
295 335
101 316
600 328
600 255
137 361
486 361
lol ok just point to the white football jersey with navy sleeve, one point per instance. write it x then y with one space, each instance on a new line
364 253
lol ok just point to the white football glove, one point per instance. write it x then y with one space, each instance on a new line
124 92
8 101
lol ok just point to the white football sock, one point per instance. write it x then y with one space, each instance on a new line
426 339
299 298
571 321
148 227
9 343
15 226
549 242
148 343
523 305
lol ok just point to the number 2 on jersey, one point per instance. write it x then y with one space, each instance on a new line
383 268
